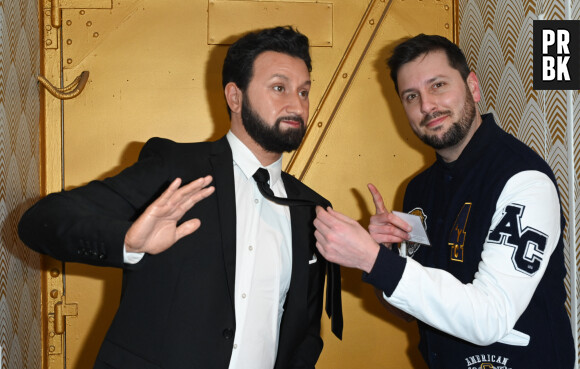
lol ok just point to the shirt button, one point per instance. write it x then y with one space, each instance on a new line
251 248
235 346
243 295
256 201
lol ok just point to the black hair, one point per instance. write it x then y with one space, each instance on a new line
422 44
239 61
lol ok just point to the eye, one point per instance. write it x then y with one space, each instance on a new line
410 97
436 85
304 93
279 88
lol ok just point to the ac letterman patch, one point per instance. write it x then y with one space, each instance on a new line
529 244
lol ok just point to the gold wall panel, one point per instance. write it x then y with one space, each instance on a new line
153 73
228 18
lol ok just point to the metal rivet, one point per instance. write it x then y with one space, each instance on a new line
372 22
47 12
54 294
446 25
319 124
344 75
48 28
69 42
51 348
89 23
54 272
48 42
82 12
446 7
69 61
51 334
68 22
96 34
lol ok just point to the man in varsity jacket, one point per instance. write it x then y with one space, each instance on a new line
488 292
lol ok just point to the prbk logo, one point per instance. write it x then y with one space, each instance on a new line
556 54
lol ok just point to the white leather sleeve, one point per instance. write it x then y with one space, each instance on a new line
486 310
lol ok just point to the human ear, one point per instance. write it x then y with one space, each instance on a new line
233 97
473 84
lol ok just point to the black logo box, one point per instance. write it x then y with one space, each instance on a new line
573 64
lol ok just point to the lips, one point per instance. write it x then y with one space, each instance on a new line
434 119
292 123
295 122
435 122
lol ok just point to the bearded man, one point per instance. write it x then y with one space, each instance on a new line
488 291
233 281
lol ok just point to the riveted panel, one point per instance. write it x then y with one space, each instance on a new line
227 19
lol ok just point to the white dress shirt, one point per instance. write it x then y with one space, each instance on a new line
263 262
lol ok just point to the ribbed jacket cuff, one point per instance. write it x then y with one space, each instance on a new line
387 271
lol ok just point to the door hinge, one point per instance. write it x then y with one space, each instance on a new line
62 310
57 324
56 307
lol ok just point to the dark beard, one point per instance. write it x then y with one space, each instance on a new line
272 139
458 130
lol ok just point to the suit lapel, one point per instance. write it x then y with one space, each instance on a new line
223 178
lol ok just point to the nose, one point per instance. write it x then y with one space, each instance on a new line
428 104
297 104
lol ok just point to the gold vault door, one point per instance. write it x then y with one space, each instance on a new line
152 68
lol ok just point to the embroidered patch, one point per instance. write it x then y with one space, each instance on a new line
458 235
528 243
487 361
412 247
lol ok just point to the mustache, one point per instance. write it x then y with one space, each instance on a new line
295 118
434 115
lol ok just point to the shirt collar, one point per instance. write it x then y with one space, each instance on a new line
245 159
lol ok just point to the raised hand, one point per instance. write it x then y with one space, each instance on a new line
385 227
156 229
343 240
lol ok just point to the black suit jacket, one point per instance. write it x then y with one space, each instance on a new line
177 307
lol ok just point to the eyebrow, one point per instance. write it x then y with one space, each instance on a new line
428 82
284 77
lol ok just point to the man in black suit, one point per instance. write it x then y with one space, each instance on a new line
233 281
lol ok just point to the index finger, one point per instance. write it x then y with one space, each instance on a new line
377 199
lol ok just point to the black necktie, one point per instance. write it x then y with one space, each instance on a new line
262 177
333 282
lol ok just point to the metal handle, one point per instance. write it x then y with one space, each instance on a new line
69 92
